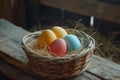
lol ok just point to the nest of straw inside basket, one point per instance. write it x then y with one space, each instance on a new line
32 44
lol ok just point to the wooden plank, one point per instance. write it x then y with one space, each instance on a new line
117 2
104 68
6 10
14 11
9 33
19 12
86 76
95 8
11 52
13 73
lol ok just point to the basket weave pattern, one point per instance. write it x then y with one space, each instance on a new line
54 69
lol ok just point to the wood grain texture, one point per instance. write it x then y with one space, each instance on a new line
11 37
14 11
105 68
95 8
6 10
13 73
11 51
19 12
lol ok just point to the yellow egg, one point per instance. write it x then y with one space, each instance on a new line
45 38
59 32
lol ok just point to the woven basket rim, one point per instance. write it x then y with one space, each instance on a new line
83 52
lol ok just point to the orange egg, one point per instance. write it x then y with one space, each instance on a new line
45 38
59 32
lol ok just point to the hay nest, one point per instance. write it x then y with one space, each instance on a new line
105 46
32 43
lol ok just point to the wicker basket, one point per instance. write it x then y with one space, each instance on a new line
61 68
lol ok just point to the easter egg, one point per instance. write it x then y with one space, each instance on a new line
73 43
59 32
46 37
58 47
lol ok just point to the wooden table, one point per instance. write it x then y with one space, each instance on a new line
13 61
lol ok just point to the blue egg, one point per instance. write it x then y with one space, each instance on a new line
73 43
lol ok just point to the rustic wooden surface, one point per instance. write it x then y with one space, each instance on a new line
13 73
11 51
97 8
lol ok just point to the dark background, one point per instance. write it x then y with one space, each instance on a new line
46 16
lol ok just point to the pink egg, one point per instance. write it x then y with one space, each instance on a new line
58 47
